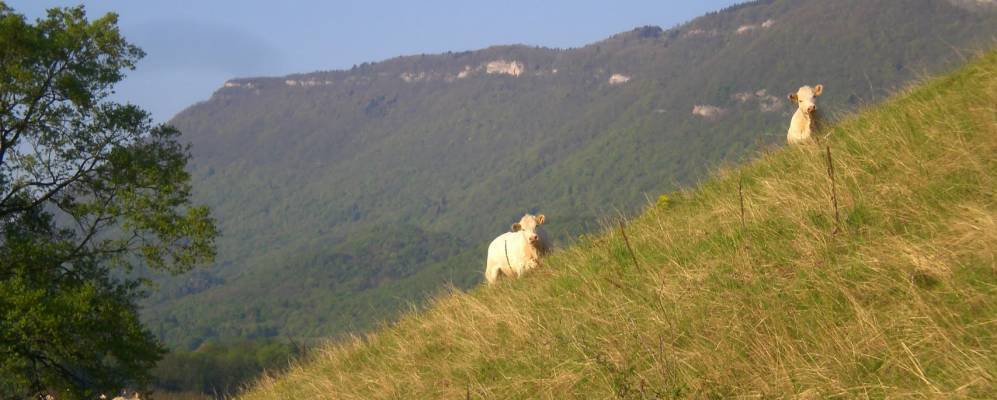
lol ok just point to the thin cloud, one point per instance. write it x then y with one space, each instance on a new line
190 45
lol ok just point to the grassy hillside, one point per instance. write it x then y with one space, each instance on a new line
900 302
297 168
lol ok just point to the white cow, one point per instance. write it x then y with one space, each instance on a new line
803 124
514 253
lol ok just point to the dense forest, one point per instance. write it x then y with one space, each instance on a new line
221 369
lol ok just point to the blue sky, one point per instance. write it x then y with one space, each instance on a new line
193 46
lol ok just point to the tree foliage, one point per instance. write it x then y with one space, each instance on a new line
89 189
222 369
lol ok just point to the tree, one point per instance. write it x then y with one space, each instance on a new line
89 190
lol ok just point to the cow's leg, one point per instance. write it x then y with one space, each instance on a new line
509 271
531 264
491 272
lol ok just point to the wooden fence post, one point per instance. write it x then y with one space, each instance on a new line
834 192
633 255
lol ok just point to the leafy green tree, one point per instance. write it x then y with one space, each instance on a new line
89 189
222 368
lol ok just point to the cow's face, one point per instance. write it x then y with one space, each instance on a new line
806 98
528 226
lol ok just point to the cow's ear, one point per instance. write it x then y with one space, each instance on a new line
818 90
516 227
540 219
792 97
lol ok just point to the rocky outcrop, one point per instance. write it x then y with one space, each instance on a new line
619 79
514 68
766 102
306 83
708 111
748 28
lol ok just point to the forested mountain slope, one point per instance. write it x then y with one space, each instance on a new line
344 195
776 279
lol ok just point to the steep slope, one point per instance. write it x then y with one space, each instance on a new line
458 145
699 300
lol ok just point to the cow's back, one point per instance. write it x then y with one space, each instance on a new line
501 249
495 262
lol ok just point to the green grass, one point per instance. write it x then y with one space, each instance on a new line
900 302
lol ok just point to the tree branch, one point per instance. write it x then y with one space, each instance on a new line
19 128
80 172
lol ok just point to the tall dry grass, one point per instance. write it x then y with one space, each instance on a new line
899 301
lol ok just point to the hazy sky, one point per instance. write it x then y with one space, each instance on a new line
193 46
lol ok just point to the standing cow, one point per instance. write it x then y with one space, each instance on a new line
514 253
804 120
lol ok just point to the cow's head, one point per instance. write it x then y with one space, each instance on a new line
806 98
528 226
